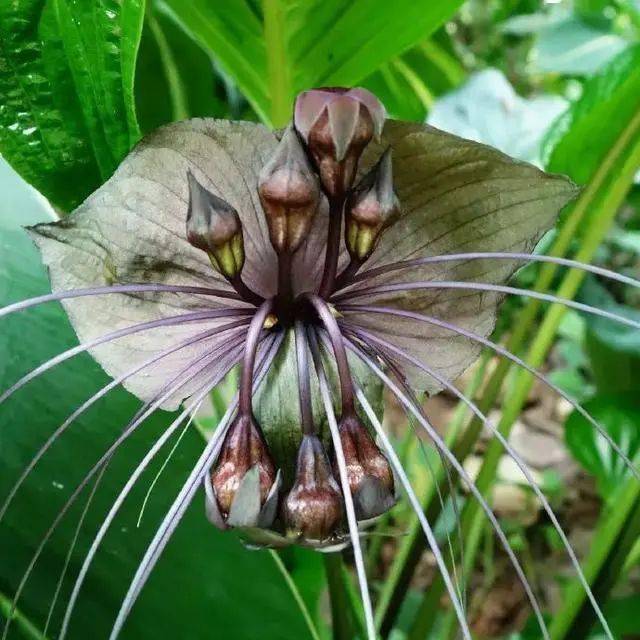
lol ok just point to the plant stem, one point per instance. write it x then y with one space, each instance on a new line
617 532
279 77
337 597
295 592
28 629
177 93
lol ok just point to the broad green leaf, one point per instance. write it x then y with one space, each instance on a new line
604 118
42 131
613 348
620 416
205 581
100 40
290 45
486 108
573 47
66 77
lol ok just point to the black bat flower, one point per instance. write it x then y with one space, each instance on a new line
342 254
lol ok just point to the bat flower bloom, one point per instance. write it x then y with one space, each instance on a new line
345 253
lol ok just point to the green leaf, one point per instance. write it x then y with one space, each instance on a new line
66 77
205 580
100 41
292 46
613 348
620 416
42 132
578 141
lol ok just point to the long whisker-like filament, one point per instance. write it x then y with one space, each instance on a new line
482 286
441 445
514 455
115 507
344 483
116 288
417 508
94 398
185 496
120 333
493 255
390 363
151 407
412 315
72 546
166 462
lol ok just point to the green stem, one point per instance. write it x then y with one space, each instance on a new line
279 77
295 592
602 198
28 629
338 597
617 532
447 63
177 94
415 82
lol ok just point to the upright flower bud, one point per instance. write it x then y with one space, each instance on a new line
337 124
370 207
289 193
313 508
214 226
244 475
369 474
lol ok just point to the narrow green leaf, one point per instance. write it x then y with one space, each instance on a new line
576 142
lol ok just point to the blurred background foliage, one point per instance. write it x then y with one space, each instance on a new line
554 83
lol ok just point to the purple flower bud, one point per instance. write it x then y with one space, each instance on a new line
368 471
213 225
313 507
337 124
290 193
370 207
244 447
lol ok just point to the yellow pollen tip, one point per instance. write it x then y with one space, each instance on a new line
270 321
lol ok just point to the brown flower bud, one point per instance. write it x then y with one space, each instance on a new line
337 124
289 193
368 471
313 507
214 226
371 206
244 447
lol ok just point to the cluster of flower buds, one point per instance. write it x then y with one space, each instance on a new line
290 194
243 488
368 471
313 507
317 157
371 206
337 124
214 226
